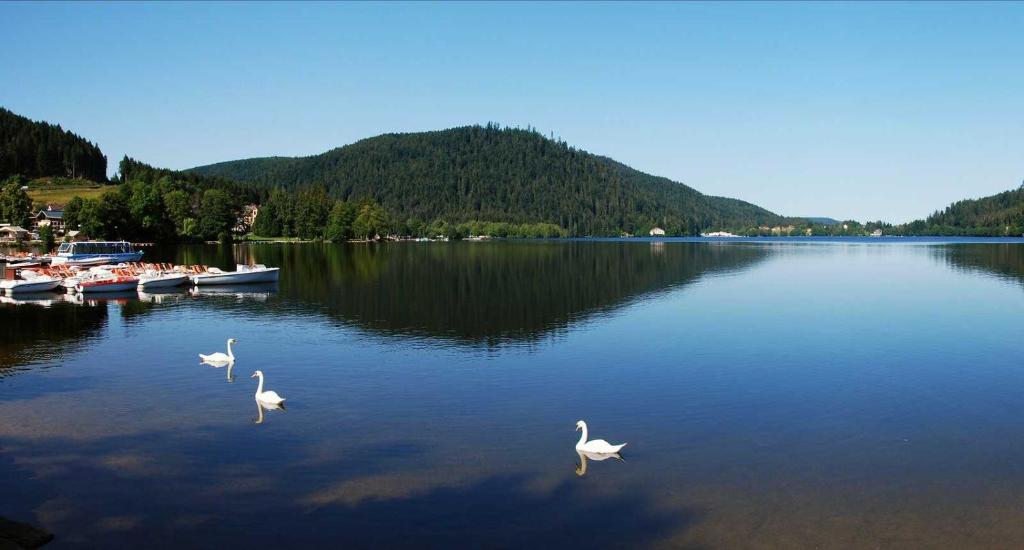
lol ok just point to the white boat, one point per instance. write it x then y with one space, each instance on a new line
161 279
113 284
37 283
243 274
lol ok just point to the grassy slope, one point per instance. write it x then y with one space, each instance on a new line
45 191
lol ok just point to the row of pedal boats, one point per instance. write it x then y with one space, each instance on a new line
131 276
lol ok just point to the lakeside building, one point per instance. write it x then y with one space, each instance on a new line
247 218
13 234
657 232
52 216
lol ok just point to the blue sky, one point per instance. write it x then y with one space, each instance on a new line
863 111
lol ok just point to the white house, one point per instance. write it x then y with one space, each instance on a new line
657 232
13 234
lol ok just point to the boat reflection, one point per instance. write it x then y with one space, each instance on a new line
44 299
581 469
163 296
258 292
94 299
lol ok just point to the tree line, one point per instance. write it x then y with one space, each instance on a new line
38 149
994 216
310 213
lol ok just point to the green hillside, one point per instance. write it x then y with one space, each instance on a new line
39 149
996 215
494 174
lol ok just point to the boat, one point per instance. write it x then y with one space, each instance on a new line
30 283
162 279
96 252
115 283
243 274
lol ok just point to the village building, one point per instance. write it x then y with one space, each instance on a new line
247 218
13 234
52 215
657 232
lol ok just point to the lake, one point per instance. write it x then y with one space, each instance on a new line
774 393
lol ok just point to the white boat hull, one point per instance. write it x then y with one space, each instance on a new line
163 281
12 287
108 287
268 275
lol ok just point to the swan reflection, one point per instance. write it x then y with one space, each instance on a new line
262 407
581 469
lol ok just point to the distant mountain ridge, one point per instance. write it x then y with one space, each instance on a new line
822 220
500 174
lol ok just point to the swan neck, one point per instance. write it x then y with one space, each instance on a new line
231 355
259 388
583 436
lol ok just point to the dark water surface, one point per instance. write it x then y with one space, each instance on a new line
773 394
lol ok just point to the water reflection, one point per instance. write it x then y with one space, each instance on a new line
164 296
259 292
1003 260
581 468
33 334
262 407
489 292
43 299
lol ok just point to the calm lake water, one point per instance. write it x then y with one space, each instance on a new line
773 393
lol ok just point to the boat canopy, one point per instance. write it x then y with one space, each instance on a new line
119 247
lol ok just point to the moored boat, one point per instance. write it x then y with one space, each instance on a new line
118 283
96 252
162 279
39 283
243 274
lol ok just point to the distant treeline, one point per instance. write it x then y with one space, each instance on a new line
490 173
38 149
995 216
310 213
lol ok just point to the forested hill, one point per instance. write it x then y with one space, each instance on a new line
1001 214
38 149
494 174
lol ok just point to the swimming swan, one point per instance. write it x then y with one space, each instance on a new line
266 397
598 446
219 357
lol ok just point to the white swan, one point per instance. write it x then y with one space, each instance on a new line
219 357
597 446
266 397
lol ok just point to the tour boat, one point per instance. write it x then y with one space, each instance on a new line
96 252
118 283
162 279
243 274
